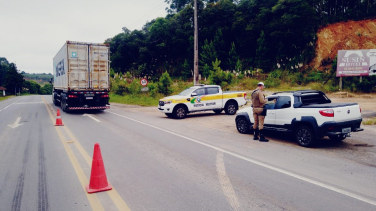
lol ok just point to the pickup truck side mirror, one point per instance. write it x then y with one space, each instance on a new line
194 94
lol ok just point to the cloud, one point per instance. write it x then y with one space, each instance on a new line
34 31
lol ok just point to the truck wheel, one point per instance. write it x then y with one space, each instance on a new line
180 112
218 111
337 138
305 136
242 125
63 103
231 108
54 99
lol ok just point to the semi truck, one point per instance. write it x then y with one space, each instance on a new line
81 76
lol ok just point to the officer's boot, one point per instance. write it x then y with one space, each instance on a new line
255 134
262 137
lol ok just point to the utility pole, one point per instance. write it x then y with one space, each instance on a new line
195 67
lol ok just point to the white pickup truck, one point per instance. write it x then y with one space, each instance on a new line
308 114
202 98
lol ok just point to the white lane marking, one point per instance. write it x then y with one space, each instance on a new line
29 103
89 115
225 182
10 104
314 182
15 124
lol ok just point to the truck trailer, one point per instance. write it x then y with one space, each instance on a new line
81 76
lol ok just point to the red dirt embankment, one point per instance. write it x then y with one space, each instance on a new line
343 36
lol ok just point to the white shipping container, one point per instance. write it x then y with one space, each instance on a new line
80 66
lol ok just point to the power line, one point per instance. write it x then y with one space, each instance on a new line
148 14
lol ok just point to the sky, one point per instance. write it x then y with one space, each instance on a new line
33 31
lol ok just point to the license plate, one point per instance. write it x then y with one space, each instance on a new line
89 98
346 130
89 95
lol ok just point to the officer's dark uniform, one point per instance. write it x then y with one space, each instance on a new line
258 103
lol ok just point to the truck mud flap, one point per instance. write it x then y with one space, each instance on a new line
88 108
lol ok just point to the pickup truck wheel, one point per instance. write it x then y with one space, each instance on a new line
180 112
337 138
231 108
218 111
305 136
242 125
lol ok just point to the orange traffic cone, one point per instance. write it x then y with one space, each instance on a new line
98 178
59 122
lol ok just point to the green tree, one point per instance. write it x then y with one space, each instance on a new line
13 79
164 85
33 87
186 70
207 56
232 57
46 89
262 57
220 77
4 66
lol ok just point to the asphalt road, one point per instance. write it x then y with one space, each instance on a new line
157 163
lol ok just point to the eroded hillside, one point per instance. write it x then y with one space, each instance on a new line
343 36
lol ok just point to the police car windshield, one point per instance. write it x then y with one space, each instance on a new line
187 91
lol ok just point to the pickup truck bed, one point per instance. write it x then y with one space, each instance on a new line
328 105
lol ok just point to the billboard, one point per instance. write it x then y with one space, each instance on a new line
356 62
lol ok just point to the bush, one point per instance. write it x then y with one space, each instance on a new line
164 84
272 82
248 83
219 77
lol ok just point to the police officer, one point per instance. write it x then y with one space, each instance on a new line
258 103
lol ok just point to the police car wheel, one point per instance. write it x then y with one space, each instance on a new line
180 112
242 125
231 108
304 136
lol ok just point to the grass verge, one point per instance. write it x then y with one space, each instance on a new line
142 99
6 97
371 121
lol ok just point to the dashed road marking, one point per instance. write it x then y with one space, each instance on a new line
311 181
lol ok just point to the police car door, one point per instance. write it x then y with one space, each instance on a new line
213 100
197 97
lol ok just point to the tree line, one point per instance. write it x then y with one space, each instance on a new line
12 79
242 35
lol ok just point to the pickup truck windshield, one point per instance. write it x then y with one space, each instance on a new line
187 91
314 98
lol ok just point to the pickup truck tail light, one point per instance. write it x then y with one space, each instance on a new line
104 95
72 96
245 95
327 112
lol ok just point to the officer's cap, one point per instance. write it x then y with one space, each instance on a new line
260 84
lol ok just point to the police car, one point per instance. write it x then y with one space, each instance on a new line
202 98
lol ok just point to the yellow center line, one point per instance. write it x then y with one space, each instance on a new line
114 195
93 199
